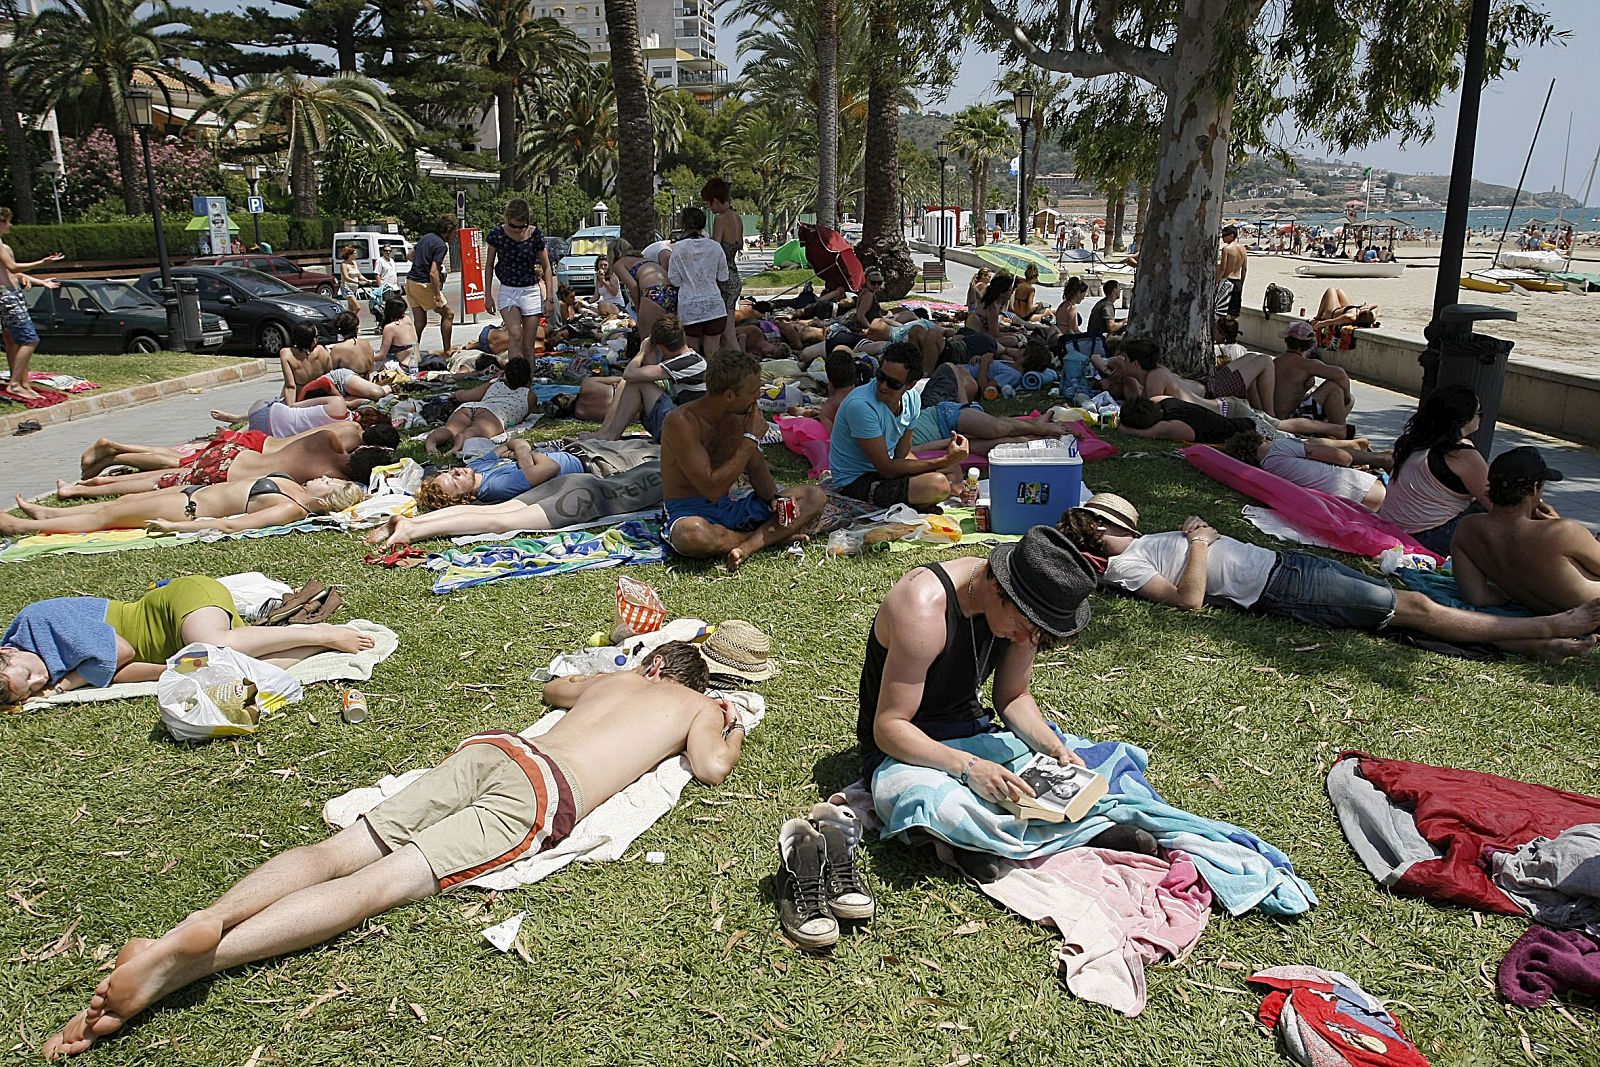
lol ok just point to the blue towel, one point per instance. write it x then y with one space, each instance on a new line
1442 589
1244 872
69 633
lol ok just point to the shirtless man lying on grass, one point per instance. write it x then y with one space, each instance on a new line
495 800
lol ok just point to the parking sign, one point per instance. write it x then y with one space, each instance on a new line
461 204
256 205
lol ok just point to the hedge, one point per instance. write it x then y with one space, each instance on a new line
136 238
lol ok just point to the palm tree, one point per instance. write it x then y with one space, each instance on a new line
636 162
96 48
302 112
571 124
503 38
981 135
828 112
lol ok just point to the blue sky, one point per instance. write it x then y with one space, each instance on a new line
1509 110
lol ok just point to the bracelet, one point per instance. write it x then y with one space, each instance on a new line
752 437
967 770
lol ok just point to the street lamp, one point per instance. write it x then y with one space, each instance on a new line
252 174
140 107
1024 109
940 149
542 183
52 170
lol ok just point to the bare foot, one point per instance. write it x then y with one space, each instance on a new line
143 976
32 510
1581 620
10 524
344 639
383 534
736 558
1558 649
23 392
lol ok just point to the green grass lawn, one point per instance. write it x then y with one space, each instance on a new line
790 277
111 830
121 371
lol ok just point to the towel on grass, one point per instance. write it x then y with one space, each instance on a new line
33 546
530 557
1545 963
1243 871
599 837
323 667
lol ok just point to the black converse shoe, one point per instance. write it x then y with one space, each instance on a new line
802 899
848 895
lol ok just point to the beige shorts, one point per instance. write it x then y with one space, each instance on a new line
495 800
423 295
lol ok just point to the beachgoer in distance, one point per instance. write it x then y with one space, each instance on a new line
870 446
698 268
515 256
1232 264
664 373
228 507
1337 309
1295 392
1312 464
425 280
727 229
486 411
399 338
497 799
1103 319
17 325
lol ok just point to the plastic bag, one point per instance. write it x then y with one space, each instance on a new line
639 606
208 692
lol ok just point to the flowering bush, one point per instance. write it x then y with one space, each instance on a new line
183 170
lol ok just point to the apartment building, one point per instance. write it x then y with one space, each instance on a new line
679 39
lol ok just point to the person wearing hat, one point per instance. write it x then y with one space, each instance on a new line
1296 372
1195 566
1522 552
943 630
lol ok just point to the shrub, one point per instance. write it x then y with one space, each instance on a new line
135 238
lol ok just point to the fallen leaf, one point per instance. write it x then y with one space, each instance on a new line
1306 648
78 815
733 939
341 990
255 1057
1527 1046
416 1009
953 1027
940 1002
724 866
932 965
968 928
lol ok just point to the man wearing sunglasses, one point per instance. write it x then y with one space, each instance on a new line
870 448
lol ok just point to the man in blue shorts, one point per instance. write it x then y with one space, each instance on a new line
20 336
705 445
870 446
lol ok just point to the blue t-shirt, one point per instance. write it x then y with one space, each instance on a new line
863 415
69 633
503 479
430 249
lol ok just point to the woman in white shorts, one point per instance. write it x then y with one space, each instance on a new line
487 411
516 258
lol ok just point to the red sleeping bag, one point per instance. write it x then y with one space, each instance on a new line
1464 813
1343 524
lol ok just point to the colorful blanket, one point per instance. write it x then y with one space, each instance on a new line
25 549
534 557
1243 871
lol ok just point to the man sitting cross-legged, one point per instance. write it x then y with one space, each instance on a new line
705 446
1196 566
870 445
1522 551
495 800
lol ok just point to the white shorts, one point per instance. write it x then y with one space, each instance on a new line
529 299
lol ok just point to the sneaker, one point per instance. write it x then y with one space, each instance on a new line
802 900
848 895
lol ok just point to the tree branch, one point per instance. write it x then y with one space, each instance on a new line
1113 57
1152 64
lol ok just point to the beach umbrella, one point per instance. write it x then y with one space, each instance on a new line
830 255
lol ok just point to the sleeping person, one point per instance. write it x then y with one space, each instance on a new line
503 474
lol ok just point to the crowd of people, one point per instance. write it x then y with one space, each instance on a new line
900 393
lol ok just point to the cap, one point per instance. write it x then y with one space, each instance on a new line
1523 464
1300 331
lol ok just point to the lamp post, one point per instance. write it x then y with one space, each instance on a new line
1024 109
941 150
252 174
52 170
140 108
542 183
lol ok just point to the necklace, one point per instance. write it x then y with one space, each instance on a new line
972 635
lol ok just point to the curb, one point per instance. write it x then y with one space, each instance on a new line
83 407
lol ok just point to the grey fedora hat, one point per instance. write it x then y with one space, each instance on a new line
1047 578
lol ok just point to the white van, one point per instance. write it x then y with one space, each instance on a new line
368 244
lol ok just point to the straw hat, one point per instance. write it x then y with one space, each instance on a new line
1113 509
740 651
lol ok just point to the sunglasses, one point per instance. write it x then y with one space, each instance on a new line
892 383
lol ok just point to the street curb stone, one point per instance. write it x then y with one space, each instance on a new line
84 406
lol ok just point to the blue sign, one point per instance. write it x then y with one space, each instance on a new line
461 204
256 205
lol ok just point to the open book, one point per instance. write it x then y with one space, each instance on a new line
1062 792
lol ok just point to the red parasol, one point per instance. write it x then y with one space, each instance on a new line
830 255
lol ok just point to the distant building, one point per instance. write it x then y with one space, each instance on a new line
1063 184
679 38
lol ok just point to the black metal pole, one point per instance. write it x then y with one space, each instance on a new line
942 209
547 207
256 215
1447 289
169 296
1022 187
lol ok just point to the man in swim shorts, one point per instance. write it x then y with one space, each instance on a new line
705 446
497 799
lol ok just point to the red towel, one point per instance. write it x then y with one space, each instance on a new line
47 397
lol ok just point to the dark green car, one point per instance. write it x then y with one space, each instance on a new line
101 315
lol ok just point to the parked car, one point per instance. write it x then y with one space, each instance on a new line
369 244
105 315
576 268
257 306
307 281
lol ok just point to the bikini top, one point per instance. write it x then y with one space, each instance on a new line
265 486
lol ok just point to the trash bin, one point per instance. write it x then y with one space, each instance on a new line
1457 356
190 332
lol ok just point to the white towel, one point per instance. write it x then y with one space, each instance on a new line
599 837
323 667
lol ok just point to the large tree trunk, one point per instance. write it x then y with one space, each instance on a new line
1141 208
505 106
1033 169
17 149
302 180
1176 284
636 142
980 213
128 171
828 112
344 45
882 242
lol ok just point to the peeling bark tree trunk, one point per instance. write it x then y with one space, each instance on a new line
1176 285
978 191
1115 223
882 242
828 112
1141 208
636 146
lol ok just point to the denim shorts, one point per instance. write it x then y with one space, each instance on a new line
656 417
14 318
1320 592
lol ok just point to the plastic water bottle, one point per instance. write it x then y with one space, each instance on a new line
1008 391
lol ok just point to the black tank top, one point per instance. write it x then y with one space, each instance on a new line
1209 427
950 706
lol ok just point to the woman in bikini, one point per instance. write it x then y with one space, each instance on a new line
399 340
646 283
351 280
229 507
487 411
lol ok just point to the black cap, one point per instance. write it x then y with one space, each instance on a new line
1521 465
1048 579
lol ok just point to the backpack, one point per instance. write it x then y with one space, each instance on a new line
1278 300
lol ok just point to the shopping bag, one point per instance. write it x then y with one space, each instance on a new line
207 691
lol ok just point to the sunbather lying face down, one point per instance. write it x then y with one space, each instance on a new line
1196 566
495 800
71 642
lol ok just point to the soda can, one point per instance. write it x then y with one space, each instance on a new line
787 511
1109 420
980 518
355 706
